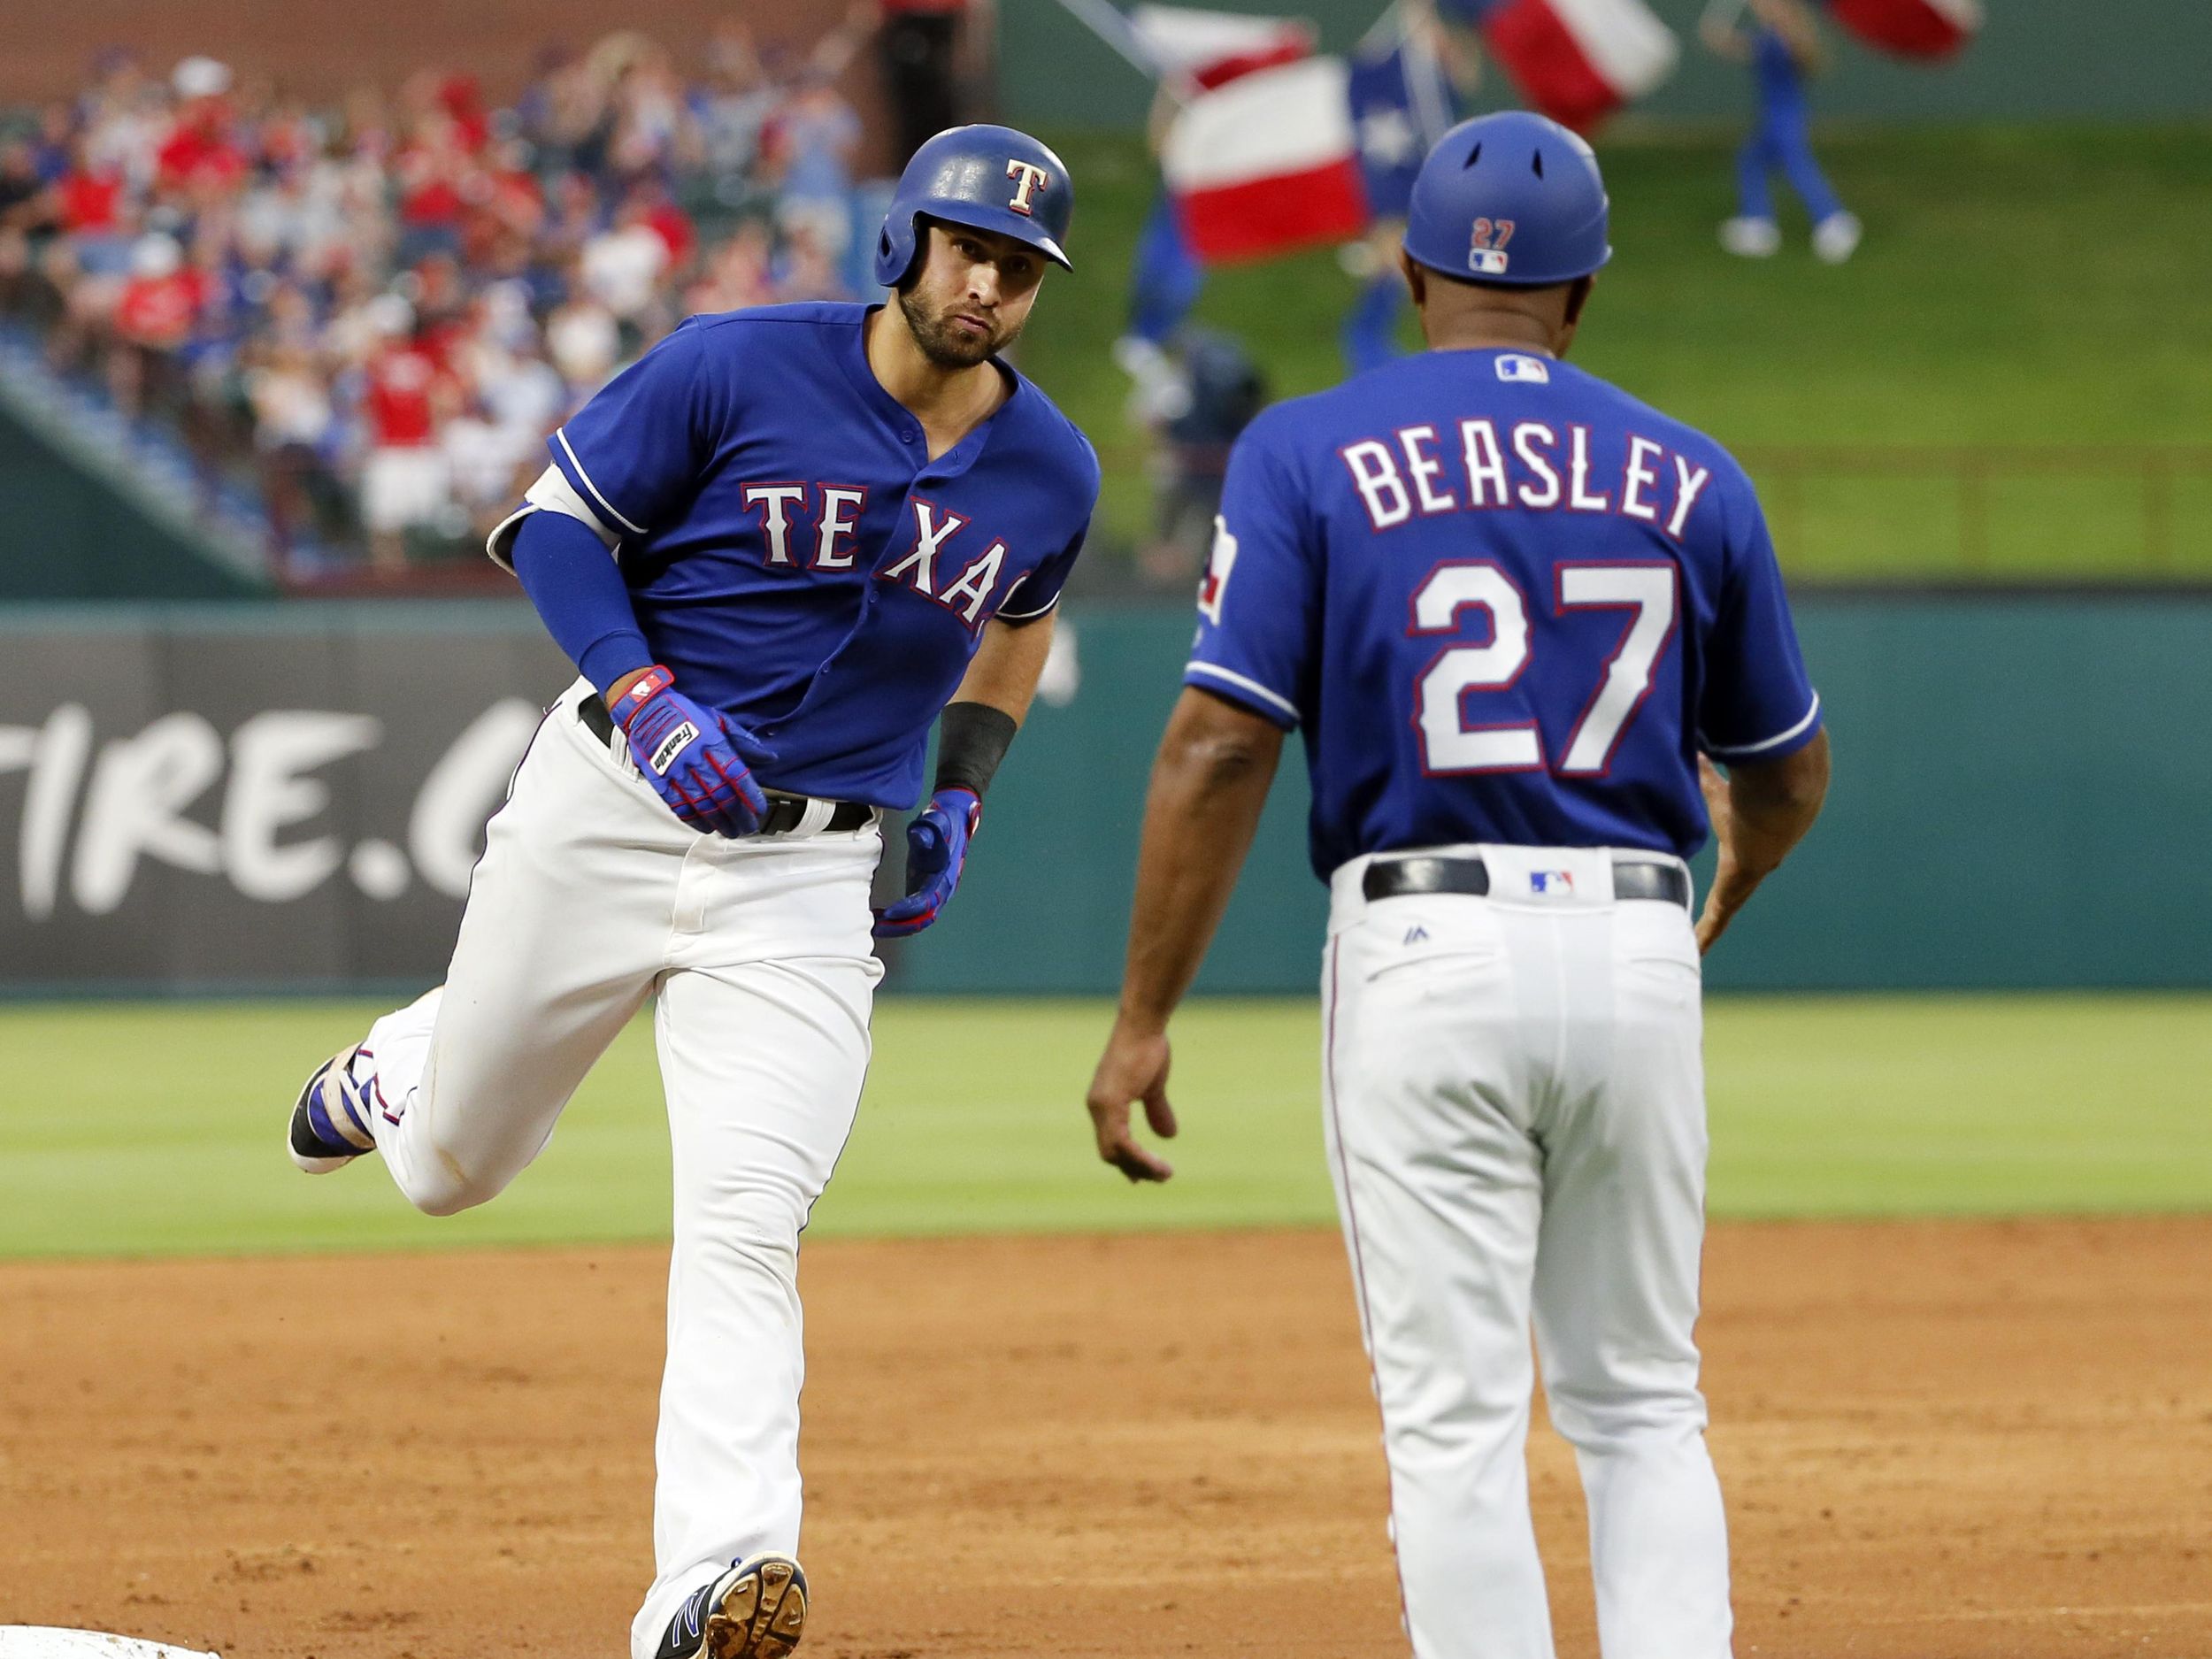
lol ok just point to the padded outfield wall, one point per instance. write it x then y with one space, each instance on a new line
227 797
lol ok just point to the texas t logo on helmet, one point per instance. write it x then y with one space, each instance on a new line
959 177
1031 177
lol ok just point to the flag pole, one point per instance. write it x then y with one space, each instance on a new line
1391 25
1107 22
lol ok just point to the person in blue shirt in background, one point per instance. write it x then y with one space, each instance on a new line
1783 46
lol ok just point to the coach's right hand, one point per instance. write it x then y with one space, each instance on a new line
1133 1067
697 759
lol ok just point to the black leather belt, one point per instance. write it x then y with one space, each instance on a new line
1397 878
785 811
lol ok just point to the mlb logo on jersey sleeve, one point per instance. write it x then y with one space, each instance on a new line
1534 371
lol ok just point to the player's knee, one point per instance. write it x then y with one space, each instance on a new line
447 1188
447 1199
1617 1417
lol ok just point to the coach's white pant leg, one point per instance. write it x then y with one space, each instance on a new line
567 923
1438 1185
763 1058
1616 1282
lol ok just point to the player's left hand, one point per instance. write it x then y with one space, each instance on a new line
936 847
1133 1067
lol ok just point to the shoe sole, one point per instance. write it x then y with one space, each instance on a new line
761 1616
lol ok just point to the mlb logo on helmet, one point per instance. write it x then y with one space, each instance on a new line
1486 261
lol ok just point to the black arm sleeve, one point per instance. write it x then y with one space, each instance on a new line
971 739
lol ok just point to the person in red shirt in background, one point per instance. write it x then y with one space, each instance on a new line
437 176
154 315
202 151
404 478
88 204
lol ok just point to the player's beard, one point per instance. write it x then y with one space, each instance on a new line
944 344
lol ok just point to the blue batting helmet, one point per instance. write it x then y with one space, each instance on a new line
989 178
1513 199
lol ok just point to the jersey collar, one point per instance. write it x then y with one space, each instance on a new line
900 421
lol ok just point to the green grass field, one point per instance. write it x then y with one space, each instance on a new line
153 1128
2017 286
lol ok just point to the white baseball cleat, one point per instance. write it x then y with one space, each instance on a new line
1751 238
1836 238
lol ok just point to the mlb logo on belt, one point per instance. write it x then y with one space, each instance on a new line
1552 884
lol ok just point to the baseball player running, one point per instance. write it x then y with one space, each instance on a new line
776 548
1511 609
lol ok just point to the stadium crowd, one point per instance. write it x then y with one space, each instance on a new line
382 308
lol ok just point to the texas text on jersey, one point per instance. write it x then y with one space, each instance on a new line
830 615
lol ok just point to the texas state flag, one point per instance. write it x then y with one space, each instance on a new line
1911 28
1267 164
1574 60
1201 48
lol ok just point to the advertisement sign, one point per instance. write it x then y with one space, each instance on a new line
214 805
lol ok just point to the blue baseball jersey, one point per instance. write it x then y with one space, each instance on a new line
1504 602
794 555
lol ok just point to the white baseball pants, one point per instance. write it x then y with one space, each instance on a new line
590 898
1514 1093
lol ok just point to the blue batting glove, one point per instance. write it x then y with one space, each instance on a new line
936 847
698 760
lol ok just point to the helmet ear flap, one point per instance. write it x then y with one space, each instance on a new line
898 249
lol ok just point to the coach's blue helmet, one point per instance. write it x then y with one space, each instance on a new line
1513 199
989 178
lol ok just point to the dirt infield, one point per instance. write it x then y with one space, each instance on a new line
1947 1442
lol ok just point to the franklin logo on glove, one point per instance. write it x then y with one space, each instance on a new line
672 746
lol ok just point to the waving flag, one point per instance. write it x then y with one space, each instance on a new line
1401 105
1911 28
1267 164
1574 60
1211 48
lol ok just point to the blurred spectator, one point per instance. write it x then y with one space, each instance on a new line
154 314
406 477
293 421
812 142
922 44
373 314
733 106
1780 41
1215 391
20 187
